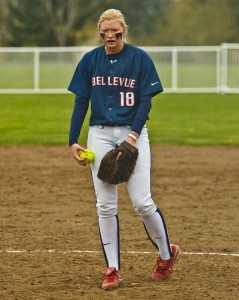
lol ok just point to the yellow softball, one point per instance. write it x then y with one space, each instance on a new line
88 155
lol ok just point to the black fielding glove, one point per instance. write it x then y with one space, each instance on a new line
118 164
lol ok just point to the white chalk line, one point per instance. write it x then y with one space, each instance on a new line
15 251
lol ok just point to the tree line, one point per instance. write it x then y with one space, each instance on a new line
152 23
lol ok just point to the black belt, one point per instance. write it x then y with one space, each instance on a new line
113 125
116 125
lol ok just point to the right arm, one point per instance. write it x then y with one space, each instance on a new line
77 119
80 86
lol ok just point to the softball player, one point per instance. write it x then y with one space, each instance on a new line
119 80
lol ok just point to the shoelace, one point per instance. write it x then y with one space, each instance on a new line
160 265
112 274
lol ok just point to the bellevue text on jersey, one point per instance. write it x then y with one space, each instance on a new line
115 81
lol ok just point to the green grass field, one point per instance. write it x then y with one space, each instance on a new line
175 119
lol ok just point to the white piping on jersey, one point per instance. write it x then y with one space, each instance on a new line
154 83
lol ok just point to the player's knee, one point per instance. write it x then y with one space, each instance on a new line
106 210
144 206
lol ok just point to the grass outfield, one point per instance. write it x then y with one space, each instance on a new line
176 119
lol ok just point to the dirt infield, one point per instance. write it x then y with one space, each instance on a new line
47 202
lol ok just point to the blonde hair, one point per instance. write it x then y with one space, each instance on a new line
113 14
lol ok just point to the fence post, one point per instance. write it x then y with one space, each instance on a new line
218 69
224 69
174 69
36 70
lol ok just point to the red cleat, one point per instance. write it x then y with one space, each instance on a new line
112 279
164 268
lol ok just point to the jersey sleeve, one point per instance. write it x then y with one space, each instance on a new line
77 118
150 83
80 82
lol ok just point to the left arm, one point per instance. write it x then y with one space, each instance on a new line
140 118
150 85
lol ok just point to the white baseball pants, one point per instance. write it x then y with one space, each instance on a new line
102 139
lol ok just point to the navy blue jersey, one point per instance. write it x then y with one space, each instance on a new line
115 83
